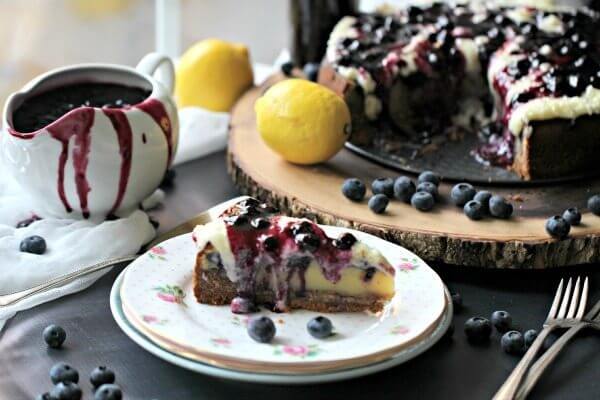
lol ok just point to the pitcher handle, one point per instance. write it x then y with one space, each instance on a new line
159 66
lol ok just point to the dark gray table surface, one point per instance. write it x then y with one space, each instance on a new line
452 369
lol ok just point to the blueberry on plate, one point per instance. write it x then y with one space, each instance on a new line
461 193
572 216
512 342
483 196
378 203
404 188
428 187
66 391
501 320
262 329
457 302
101 375
108 391
54 336
320 327
311 70
240 305
474 210
287 68
529 337
558 227
383 186
354 189
33 244
478 329
500 208
429 176
422 201
63 372
594 204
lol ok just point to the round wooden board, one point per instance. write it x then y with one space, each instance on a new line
445 234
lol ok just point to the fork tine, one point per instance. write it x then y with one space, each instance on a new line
565 300
583 302
574 300
555 302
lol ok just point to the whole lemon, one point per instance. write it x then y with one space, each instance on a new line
302 121
213 74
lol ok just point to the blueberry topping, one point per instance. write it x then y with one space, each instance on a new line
261 329
529 337
54 336
238 221
63 372
483 197
572 216
287 68
260 223
43 396
33 244
268 209
428 176
249 203
242 305
500 208
404 188
594 204
474 210
478 329
501 320
428 187
308 241
320 327
354 189
558 227
422 201
383 186
108 391
270 243
101 375
311 70
457 302
378 203
345 241
66 391
512 342
461 193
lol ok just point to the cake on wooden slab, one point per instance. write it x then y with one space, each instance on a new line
251 256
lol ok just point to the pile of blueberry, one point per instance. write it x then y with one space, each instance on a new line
559 226
262 329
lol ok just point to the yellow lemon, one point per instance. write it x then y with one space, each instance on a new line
213 74
302 121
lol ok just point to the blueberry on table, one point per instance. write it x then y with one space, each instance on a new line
529 337
594 204
474 210
429 176
404 188
33 244
66 391
108 391
461 193
311 70
478 329
483 197
354 189
378 203
383 186
428 187
54 336
457 302
287 68
63 372
501 320
422 201
500 208
512 342
558 227
43 396
101 375
572 216
261 329
320 327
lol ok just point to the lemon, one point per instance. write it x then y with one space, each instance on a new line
213 74
302 121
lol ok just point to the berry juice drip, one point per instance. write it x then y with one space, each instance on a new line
122 127
156 110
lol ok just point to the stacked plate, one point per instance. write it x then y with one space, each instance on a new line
153 302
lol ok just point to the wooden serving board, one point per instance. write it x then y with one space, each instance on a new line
444 234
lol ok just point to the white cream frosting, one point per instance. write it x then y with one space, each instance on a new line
343 29
215 233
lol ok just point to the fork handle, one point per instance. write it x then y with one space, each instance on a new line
509 389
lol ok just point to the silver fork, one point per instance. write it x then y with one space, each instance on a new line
565 313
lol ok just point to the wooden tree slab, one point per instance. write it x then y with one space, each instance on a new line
445 234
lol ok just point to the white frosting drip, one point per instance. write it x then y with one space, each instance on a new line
215 233
343 29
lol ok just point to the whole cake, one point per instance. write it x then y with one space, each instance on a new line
526 80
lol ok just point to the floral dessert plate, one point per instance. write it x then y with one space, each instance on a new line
158 300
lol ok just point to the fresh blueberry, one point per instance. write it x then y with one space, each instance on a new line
101 375
54 336
422 201
63 372
474 210
404 188
260 223
558 227
529 337
428 187
33 244
429 176
108 391
378 203
354 189
512 342
383 186
26 222
572 216
345 241
500 208
239 305
478 329
287 68
311 70
483 197
308 241
457 302
501 320
261 329
320 327
270 243
66 391
594 204
461 193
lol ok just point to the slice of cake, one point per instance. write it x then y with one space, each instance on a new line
251 256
